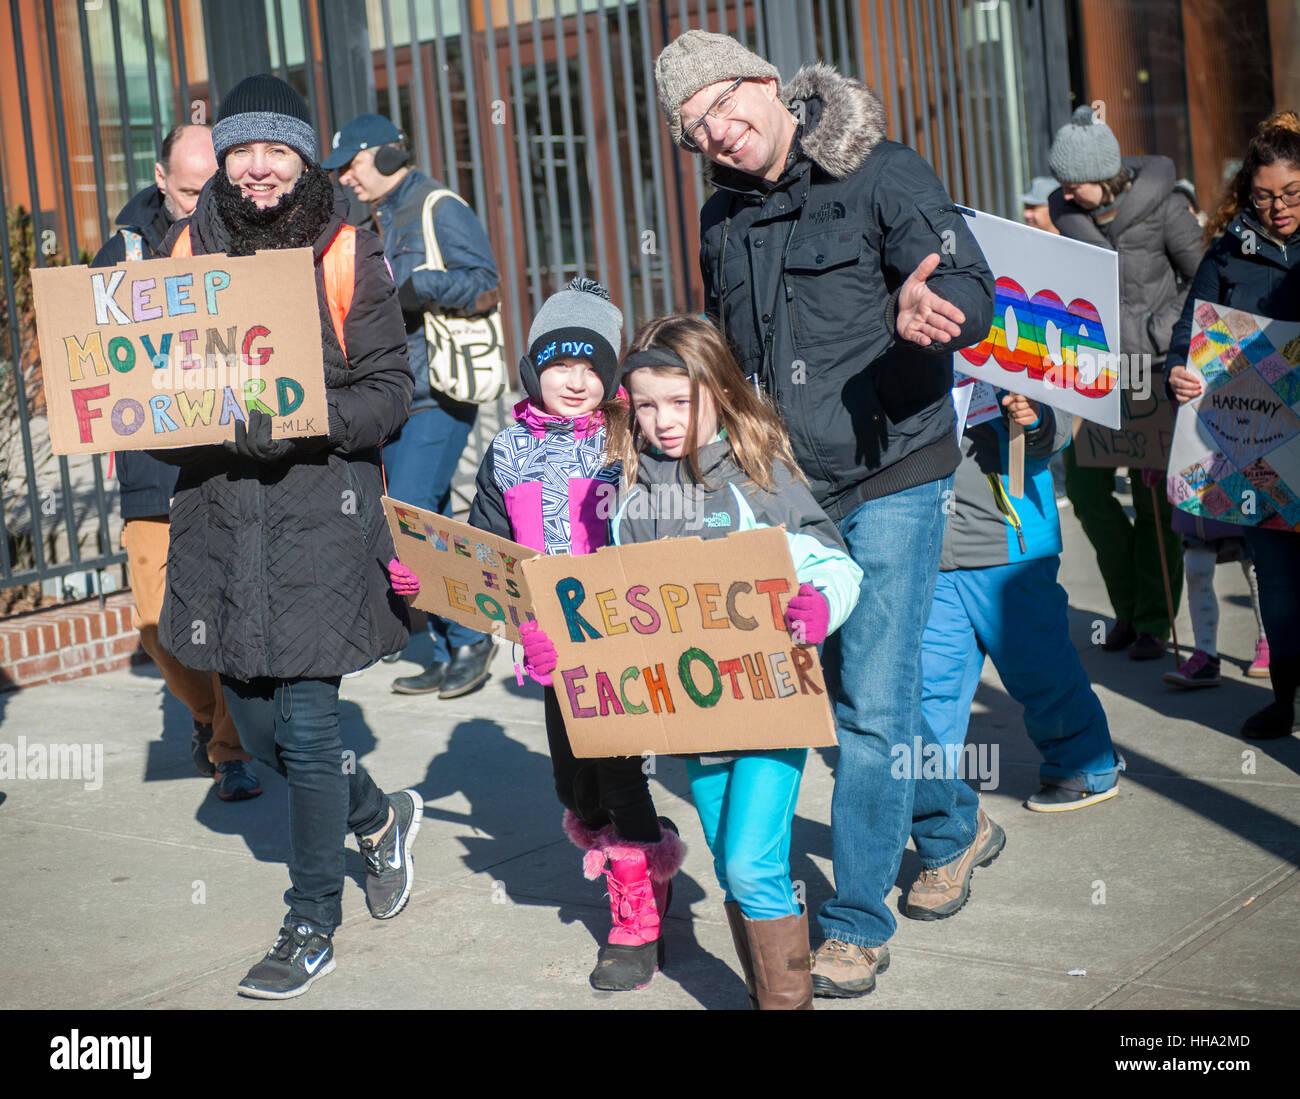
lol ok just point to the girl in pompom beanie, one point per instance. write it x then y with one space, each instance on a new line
696 426
546 483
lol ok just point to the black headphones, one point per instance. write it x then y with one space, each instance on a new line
390 159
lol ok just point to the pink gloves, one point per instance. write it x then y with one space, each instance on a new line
808 613
540 656
403 580
1152 477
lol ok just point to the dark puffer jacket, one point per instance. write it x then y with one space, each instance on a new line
1264 280
807 288
1159 245
280 569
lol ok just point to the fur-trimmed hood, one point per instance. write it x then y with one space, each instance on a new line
843 121
843 118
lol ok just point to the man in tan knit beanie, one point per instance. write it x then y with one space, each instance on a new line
835 263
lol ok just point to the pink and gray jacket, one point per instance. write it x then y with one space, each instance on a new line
544 483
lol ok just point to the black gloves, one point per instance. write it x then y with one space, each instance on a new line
254 441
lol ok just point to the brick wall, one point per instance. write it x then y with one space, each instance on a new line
68 642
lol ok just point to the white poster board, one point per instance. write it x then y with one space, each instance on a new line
1055 332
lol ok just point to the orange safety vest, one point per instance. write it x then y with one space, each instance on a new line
338 263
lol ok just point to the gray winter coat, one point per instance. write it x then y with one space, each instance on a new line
1159 244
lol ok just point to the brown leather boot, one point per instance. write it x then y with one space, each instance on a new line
782 962
740 937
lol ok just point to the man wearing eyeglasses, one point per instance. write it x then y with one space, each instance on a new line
835 263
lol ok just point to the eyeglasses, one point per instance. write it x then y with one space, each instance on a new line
1263 200
719 108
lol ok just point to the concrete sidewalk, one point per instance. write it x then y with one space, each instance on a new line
150 892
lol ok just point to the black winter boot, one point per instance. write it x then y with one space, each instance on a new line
1281 716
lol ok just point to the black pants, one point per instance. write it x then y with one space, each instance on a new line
614 790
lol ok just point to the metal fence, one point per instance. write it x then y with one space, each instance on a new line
542 113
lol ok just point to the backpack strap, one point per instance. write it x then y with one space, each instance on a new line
432 253
132 244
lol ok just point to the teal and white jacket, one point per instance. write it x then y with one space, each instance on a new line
666 503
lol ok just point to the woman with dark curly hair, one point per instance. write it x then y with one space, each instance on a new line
1254 264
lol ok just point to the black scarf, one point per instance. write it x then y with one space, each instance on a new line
294 222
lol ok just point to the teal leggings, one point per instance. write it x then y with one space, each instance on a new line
746 806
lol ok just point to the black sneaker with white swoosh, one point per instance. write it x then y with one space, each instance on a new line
301 956
389 872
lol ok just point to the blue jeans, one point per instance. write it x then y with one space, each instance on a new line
420 464
293 726
1017 615
873 665
746 806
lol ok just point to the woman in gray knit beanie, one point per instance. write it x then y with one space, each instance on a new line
1128 205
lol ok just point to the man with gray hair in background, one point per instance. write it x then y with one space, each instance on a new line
835 263
185 163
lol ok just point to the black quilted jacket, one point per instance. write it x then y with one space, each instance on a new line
279 569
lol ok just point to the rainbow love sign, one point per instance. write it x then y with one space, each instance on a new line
1055 331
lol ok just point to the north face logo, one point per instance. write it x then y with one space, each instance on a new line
829 211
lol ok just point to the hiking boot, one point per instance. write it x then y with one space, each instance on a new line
425 683
300 957
389 871
1121 636
468 670
1259 666
236 781
199 740
1060 799
1201 670
842 970
1146 647
941 891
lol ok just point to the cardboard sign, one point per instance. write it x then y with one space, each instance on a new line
1142 441
1236 448
680 646
466 574
1055 332
167 353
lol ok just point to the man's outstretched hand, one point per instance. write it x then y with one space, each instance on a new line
923 316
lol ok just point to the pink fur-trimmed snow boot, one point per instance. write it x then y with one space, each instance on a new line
639 880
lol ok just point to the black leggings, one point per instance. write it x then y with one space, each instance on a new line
600 791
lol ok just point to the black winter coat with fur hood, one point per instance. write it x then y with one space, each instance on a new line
279 569
806 287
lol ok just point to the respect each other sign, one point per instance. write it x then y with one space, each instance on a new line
680 646
173 352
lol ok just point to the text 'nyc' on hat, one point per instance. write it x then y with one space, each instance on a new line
1085 151
695 60
577 322
265 108
366 131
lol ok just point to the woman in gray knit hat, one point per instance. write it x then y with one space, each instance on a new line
275 570
1129 205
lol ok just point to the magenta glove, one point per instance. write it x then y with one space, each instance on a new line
540 656
1152 477
809 611
404 581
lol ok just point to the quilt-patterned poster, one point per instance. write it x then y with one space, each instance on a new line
1236 448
